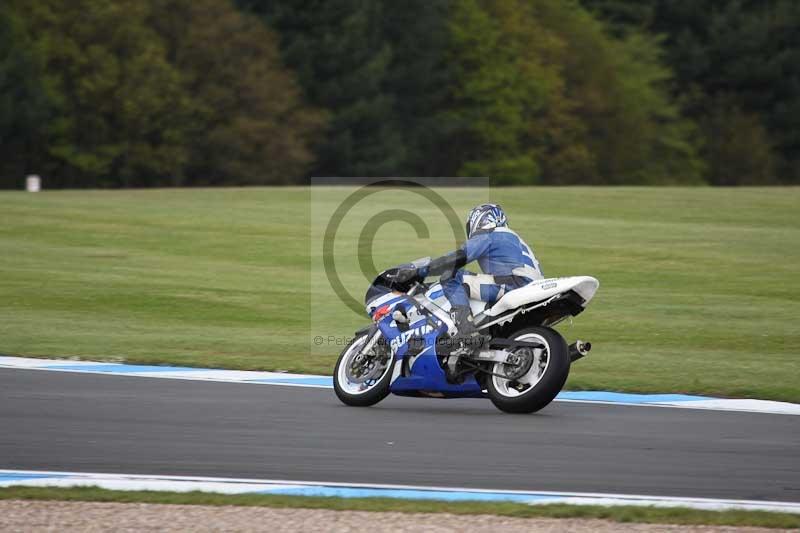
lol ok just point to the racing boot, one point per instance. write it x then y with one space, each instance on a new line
467 335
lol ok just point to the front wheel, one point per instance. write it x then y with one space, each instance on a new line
362 377
541 373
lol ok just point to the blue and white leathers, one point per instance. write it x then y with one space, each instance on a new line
499 252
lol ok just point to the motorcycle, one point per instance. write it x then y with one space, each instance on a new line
521 363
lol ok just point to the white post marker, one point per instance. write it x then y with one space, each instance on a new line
33 183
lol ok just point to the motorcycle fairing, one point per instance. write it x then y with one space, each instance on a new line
418 372
428 379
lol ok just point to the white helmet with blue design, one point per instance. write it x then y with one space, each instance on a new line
485 217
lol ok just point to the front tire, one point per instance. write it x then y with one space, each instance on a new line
370 392
549 369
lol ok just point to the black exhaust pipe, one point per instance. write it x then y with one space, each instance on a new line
579 349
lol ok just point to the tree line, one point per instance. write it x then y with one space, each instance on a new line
143 93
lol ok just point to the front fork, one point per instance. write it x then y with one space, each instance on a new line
375 333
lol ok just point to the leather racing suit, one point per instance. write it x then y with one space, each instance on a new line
506 260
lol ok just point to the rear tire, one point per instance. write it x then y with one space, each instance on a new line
543 381
349 393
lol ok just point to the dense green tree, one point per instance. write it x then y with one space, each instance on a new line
160 92
545 95
25 102
624 16
155 92
419 78
341 56
739 55
121 112
492 101
753 50
248 121
380 67
620 88
738 148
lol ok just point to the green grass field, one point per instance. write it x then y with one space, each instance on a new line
699 287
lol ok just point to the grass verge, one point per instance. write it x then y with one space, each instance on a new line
699 287
653 515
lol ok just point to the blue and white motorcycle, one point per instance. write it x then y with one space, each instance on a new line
521 366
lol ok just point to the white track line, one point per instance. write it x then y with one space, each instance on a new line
34 478
679 401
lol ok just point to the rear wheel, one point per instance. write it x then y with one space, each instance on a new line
537 378
362 378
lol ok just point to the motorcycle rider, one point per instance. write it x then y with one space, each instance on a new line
506 260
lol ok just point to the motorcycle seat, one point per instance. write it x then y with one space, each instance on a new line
541 290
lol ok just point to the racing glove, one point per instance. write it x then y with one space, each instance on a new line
403 274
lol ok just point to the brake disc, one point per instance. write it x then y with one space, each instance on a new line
364 368
524 360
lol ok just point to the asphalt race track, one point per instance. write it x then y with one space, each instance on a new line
133 425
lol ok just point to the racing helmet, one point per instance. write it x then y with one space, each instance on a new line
485 217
